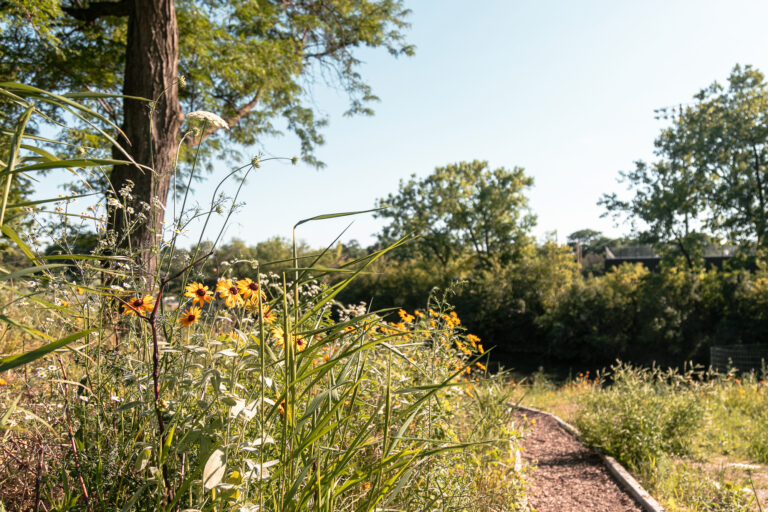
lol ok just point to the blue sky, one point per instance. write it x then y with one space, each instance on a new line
565 89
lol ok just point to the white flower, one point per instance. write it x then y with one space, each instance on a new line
209 117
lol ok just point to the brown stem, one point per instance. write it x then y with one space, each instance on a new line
152 321
38 478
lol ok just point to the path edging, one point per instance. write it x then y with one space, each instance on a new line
617 470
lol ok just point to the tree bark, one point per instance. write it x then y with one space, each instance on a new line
151 130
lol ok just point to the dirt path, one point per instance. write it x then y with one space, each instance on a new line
568 477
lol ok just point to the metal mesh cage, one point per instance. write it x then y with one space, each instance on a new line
742 357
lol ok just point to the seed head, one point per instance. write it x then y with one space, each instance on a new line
209 117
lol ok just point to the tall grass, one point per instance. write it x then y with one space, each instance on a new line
258 392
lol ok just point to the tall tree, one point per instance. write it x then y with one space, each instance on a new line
250 61
711 176
462 208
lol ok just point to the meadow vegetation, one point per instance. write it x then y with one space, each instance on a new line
695 439
127 390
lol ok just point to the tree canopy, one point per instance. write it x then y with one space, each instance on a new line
462 208
709 180
251 62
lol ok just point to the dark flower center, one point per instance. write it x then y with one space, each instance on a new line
253 286
233 290
138 303
200 292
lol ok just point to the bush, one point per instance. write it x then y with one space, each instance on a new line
643 416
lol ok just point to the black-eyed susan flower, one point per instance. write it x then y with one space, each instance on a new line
277 334
269 315
199 293
190 316
405 317
301 343
250 290
281 408
229 292
139 304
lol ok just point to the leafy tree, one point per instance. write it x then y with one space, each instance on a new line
252 62
463 208
710 177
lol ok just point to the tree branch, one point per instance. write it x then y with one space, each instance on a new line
99 9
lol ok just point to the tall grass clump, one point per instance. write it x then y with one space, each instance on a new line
126 391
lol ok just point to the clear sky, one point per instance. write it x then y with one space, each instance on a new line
565 89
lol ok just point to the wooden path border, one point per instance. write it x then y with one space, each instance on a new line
618 471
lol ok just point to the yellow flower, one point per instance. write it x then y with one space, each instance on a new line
405 317
472 338
432 312
3 382
190 316
249 290
277 333
199 294
141 304
80 291
301 343
268 314
229 292
480 365
281 408
418 313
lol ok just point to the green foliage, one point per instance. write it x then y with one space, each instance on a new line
265 394
247 61
462 210
710 176
643 415
688 435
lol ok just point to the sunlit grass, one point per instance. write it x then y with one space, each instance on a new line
695 439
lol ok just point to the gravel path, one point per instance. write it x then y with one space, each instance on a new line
568 477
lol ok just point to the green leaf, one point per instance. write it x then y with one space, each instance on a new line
10 362
13 159
30 270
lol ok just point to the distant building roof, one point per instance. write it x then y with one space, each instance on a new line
645 254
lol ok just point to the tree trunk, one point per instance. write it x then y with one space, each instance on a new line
151 68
